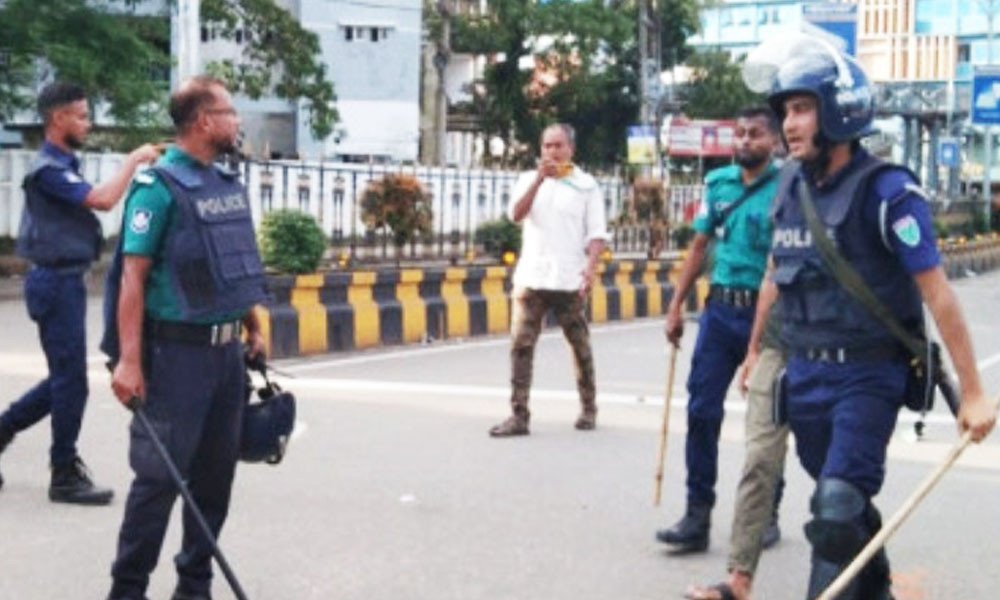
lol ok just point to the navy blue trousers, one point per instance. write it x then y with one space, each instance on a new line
58 304
843 416
194 399
723 334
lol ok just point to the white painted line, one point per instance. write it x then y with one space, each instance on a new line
464 345
299 430
988 362
652 398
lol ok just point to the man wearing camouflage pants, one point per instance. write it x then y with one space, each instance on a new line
564 233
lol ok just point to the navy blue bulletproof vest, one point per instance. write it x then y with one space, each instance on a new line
211 252
54 232
817 312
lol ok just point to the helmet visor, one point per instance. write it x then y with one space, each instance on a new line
775 65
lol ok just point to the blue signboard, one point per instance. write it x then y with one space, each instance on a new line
986 95
836 18
949 154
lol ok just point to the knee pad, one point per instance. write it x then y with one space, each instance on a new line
839 528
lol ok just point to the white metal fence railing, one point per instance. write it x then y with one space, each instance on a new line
461 199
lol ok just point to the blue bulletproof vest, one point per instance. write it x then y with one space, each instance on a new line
816 311
54 232
211 252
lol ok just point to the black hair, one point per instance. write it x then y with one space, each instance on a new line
762 112
57 95
193 96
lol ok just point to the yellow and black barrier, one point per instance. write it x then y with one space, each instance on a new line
319 313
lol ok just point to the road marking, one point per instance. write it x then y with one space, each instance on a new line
651 398
458 346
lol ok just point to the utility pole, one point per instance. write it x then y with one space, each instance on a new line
987 180
441 58
185 39
643 61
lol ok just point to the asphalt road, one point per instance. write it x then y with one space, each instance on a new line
392 489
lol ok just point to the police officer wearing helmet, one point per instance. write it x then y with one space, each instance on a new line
191 275
846 372
61 237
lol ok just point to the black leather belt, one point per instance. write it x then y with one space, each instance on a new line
738 297
845 355
218 334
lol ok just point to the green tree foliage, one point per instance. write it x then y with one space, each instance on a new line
588 76
113 55
716 90
123 58
279 56
291 241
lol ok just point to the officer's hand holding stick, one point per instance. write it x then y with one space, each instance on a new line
666 424
974 429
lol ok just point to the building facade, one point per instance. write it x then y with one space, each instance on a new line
921 54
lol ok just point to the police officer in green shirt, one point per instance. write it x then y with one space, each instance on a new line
736 212
190 274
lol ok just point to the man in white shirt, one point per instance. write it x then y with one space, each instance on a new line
564 233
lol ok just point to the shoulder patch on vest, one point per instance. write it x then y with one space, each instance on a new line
907 230
72 177
139 223
145 178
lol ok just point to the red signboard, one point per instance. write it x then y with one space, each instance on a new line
684 137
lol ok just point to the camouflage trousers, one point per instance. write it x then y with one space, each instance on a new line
529 308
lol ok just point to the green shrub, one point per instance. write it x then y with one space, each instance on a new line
940 229
291 241
682 235
497 237
399 202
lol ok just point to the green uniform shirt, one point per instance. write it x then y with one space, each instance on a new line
744 240
149 218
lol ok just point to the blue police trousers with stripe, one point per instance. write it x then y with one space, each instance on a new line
194 399
57 302
723 334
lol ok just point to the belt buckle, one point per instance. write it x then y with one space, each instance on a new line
223 333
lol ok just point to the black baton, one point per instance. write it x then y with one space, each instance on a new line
135 405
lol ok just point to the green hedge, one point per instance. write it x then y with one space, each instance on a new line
291 242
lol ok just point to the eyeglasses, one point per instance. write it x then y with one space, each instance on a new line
221 111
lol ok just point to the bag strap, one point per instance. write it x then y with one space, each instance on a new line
851 280
749 191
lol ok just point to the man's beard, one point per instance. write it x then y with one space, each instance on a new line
750 161
224 145
815 168
73 141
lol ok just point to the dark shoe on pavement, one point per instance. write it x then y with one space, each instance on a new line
514 425
5 438
772 535
587 420
71 483
690 534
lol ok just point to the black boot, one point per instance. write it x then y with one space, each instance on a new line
6 436
690 534
71 483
